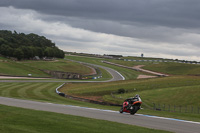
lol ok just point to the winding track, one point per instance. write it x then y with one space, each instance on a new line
173 125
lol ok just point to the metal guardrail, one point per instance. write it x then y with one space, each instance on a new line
60 93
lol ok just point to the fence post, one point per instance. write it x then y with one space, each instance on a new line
176 108
164 107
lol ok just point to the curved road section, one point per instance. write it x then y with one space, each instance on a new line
116 75
154 122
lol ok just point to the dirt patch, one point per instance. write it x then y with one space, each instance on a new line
145 76
139 68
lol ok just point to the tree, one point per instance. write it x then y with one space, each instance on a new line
49 52
5 50
18 53
27 46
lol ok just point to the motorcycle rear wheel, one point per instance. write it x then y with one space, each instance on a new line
121 110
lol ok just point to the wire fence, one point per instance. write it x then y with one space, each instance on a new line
177 108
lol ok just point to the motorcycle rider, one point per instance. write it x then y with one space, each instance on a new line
131 100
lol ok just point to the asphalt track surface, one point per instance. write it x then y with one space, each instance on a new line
169 124
154 122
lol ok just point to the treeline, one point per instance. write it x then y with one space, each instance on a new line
27 46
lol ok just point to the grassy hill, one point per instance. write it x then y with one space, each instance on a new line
59 65
175 68
173 90
23 68
8 67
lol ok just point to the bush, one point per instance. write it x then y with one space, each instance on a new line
121 91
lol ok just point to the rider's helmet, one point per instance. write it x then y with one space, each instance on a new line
137 96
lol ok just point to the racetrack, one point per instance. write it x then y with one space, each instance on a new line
138 119
168 124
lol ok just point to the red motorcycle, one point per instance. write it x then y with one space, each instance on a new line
131 105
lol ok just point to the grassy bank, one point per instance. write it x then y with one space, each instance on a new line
23 68
166 86
59 65
175 68
17 69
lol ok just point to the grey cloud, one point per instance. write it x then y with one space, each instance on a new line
170 13
153 22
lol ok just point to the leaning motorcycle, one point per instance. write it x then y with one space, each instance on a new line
131 105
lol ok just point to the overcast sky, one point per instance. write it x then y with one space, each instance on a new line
156 28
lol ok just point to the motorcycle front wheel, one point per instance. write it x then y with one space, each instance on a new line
134 110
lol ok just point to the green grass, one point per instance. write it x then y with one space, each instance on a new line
18 120
175 68
185 95
136 86
23 68
17 69
59 65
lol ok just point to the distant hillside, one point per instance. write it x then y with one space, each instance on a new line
27 46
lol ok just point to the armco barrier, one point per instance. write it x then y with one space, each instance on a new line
60 93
